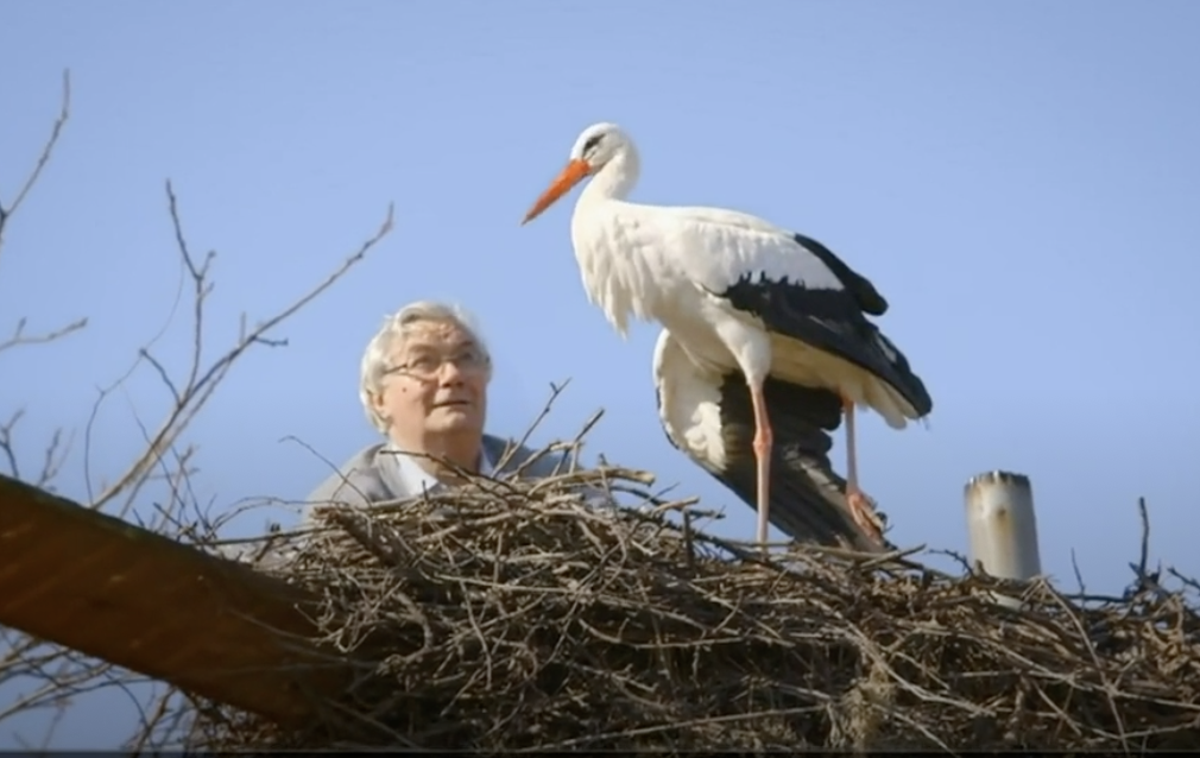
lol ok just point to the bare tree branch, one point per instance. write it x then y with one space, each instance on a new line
43 159
6 442
19 336
158 476
53 458
202 382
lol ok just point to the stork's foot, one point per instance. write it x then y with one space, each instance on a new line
862 509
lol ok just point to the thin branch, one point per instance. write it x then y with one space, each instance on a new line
19 336
43 159
201 383
162 374
54 457
555 391
1145 555
6 442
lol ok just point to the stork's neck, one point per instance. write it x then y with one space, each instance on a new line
616 275
615 179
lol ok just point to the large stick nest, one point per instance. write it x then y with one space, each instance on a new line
509 615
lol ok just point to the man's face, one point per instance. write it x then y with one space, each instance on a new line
437 385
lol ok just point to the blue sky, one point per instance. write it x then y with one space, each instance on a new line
1021 181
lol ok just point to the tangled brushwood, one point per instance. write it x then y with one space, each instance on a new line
510 615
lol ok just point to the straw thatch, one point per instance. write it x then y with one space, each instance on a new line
509 615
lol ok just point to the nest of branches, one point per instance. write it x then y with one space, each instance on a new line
512 615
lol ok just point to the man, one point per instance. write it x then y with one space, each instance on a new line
423 386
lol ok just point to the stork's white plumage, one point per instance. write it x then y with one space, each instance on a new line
737 293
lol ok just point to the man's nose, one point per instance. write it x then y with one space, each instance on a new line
450 372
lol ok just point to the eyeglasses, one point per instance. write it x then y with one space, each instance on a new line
427 365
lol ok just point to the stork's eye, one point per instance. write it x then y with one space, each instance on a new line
590 145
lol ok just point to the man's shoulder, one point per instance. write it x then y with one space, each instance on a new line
533 463
358 479
367 456
548 465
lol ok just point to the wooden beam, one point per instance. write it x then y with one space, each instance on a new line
142 601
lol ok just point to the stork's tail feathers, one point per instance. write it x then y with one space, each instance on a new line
808 500
901 394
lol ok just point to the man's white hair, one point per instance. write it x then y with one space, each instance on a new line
388 340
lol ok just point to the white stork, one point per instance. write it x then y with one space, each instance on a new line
736 293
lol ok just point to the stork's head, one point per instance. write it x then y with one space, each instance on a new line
595 147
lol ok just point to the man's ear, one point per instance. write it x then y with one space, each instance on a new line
377 403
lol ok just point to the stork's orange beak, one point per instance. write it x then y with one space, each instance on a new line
575 171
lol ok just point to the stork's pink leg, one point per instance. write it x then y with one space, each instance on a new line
860 505
763 439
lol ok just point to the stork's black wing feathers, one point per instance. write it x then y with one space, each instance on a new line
808 500
833 320
864 292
